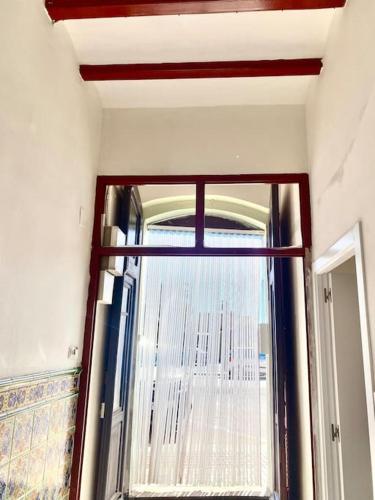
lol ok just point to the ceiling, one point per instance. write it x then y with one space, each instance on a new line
245 36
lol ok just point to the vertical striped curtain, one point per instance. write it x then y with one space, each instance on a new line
200 415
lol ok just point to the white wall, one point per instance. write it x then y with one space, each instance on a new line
341 145
351 394
223 140
50 123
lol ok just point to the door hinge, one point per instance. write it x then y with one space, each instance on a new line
327 295
335 432
102 410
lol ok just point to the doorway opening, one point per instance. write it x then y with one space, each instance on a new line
187 302
345 415
202 409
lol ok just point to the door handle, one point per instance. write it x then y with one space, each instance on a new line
335 432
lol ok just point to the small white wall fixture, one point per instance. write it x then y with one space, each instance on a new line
329 462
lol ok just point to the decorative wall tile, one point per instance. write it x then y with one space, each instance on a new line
71 411
36 468
37 425
3 480
34 495
6 436
57 417
68 446
66 478
15 395
52 457
23 429
17 479
41 423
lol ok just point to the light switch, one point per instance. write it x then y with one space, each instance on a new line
73 351
82 218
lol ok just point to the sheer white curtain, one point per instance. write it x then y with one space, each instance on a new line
198 414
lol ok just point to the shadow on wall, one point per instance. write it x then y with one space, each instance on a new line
300 453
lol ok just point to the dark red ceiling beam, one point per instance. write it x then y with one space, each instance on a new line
84 9
217 69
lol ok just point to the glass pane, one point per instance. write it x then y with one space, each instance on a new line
132 213
240 215
117 403
236 215
202 409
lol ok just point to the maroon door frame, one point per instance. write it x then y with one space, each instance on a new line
98 251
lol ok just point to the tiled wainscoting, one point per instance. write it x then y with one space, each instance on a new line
37 424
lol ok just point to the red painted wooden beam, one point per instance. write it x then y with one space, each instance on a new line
84 9
217 69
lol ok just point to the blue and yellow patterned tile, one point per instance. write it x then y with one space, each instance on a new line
52 486
4 473
65 464
17 482
53 454
69 384
33 495
67 472
3 401
71 411
65 384
41 424
22 396
10 400
52 389
23 429
41 494
6 436
56 422
68 445
61 480
63 492
37 392
36 445
18 395
37 459
53 459
17 398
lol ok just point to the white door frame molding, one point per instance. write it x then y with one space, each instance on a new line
350 245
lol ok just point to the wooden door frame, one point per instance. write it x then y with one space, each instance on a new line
129 282
98 251
349 245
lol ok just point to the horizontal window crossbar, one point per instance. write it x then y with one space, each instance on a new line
149 251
